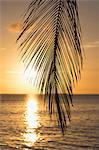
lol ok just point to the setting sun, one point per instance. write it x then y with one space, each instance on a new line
30 74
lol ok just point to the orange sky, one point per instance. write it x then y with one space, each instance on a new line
11 71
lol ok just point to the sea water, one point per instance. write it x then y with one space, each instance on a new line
25 124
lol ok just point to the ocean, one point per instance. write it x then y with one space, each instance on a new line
25 124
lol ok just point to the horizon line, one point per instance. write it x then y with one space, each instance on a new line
43 94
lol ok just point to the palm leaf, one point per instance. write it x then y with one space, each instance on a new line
51 44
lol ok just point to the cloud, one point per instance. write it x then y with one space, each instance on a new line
15 27
2 49
92 45
14 72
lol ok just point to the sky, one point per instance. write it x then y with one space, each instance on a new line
12 78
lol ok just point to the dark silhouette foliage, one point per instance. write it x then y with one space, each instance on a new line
51 44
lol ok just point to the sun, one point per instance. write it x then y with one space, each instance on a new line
30 74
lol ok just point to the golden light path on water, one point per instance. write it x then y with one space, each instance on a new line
31 121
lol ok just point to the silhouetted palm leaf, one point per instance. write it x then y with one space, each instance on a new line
51 44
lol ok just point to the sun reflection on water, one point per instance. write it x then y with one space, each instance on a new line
31 121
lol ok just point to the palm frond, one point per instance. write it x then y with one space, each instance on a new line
51 43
